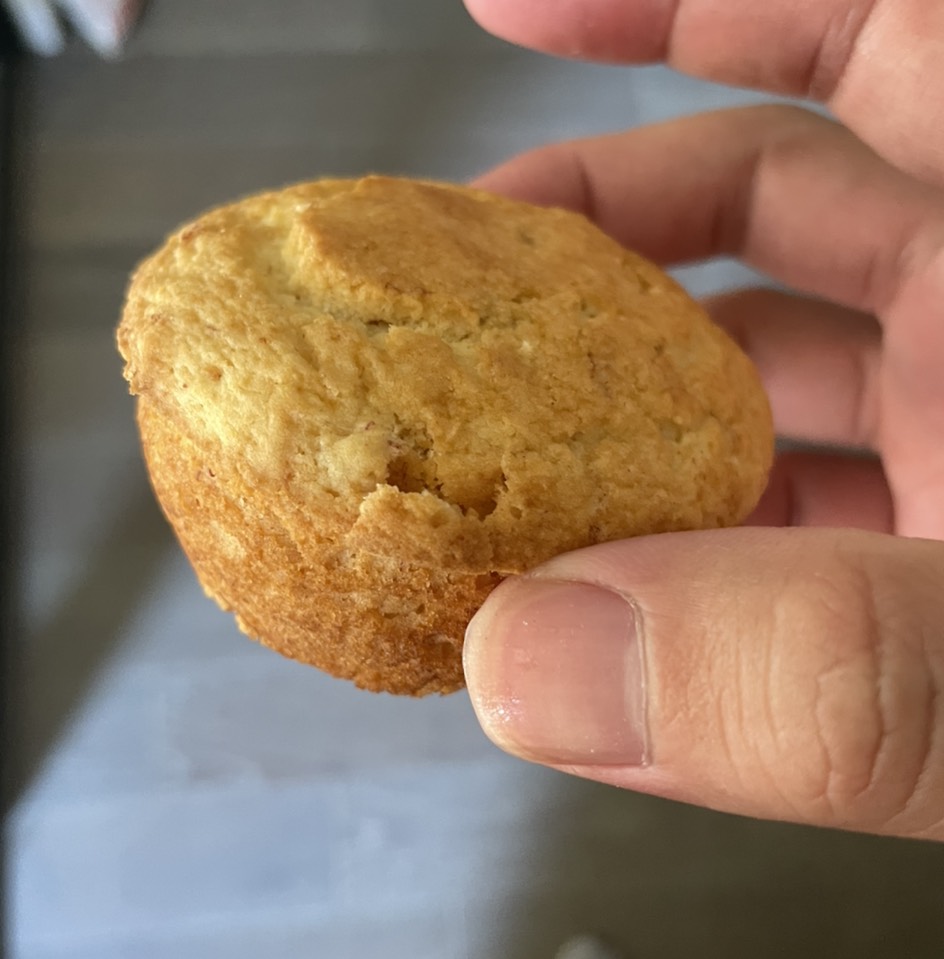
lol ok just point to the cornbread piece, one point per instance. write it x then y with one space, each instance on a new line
364 403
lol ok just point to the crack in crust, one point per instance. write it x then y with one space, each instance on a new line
390 394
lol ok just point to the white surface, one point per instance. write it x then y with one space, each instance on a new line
37 24
104 24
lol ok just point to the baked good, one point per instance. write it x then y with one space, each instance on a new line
365 402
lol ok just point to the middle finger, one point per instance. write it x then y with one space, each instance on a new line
784 189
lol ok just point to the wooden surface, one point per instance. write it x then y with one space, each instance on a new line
185 793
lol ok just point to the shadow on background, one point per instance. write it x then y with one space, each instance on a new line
660 880
56 665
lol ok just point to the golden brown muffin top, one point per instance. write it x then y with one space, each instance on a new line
444 376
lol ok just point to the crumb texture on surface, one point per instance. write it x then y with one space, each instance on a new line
363 403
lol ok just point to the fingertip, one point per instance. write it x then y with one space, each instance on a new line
544 176
555 673
604 30
524 22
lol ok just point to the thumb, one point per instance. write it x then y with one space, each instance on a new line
788 674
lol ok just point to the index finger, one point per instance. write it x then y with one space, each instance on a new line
879 64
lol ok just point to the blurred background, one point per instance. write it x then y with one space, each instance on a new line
177 791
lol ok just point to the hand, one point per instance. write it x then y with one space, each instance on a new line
785 673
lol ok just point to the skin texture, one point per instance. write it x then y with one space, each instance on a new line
877 63
784 673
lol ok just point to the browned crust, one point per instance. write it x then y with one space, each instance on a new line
362 404
386 626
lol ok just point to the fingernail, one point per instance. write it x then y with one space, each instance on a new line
556 674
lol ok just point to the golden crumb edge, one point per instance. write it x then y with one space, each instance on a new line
363 403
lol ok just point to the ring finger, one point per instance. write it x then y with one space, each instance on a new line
819 363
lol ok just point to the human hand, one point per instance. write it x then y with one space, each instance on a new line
788 673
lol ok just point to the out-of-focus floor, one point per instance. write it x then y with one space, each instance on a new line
188 794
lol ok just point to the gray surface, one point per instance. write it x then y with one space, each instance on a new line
188 794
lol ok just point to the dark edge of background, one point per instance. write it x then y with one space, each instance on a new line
9 446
